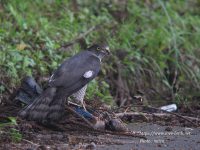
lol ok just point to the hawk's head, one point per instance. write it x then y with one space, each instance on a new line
99 50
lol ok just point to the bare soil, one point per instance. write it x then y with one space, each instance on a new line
160 134
158 137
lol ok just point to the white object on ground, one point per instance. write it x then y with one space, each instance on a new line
169 108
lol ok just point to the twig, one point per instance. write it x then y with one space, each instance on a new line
183 117
120 115
126 109
17 147
129 133
187 118
30 142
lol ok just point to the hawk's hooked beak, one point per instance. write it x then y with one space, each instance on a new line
107 50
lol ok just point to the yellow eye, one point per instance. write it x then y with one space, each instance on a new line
98 48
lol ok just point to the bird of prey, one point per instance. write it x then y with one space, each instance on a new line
70 79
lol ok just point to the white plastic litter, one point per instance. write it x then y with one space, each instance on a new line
169 108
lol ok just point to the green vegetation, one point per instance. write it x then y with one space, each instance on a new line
10 121
15 135
154 43
11 132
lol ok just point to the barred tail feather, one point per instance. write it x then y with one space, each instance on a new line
48 106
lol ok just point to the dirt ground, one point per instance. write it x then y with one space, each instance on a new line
171 132
158 137
161 138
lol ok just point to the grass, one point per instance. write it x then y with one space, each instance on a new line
7 130
155 42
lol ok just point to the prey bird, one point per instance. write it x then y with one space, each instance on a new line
70 79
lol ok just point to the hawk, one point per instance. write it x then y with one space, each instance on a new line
70 79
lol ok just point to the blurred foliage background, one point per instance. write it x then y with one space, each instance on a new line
155 45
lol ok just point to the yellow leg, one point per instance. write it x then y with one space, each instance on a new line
83 104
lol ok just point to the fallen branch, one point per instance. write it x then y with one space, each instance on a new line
128 133
150 116
183 117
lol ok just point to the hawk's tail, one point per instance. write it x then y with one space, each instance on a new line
48 106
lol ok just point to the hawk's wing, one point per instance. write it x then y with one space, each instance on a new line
76 72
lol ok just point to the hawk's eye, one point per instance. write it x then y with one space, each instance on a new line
98 48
